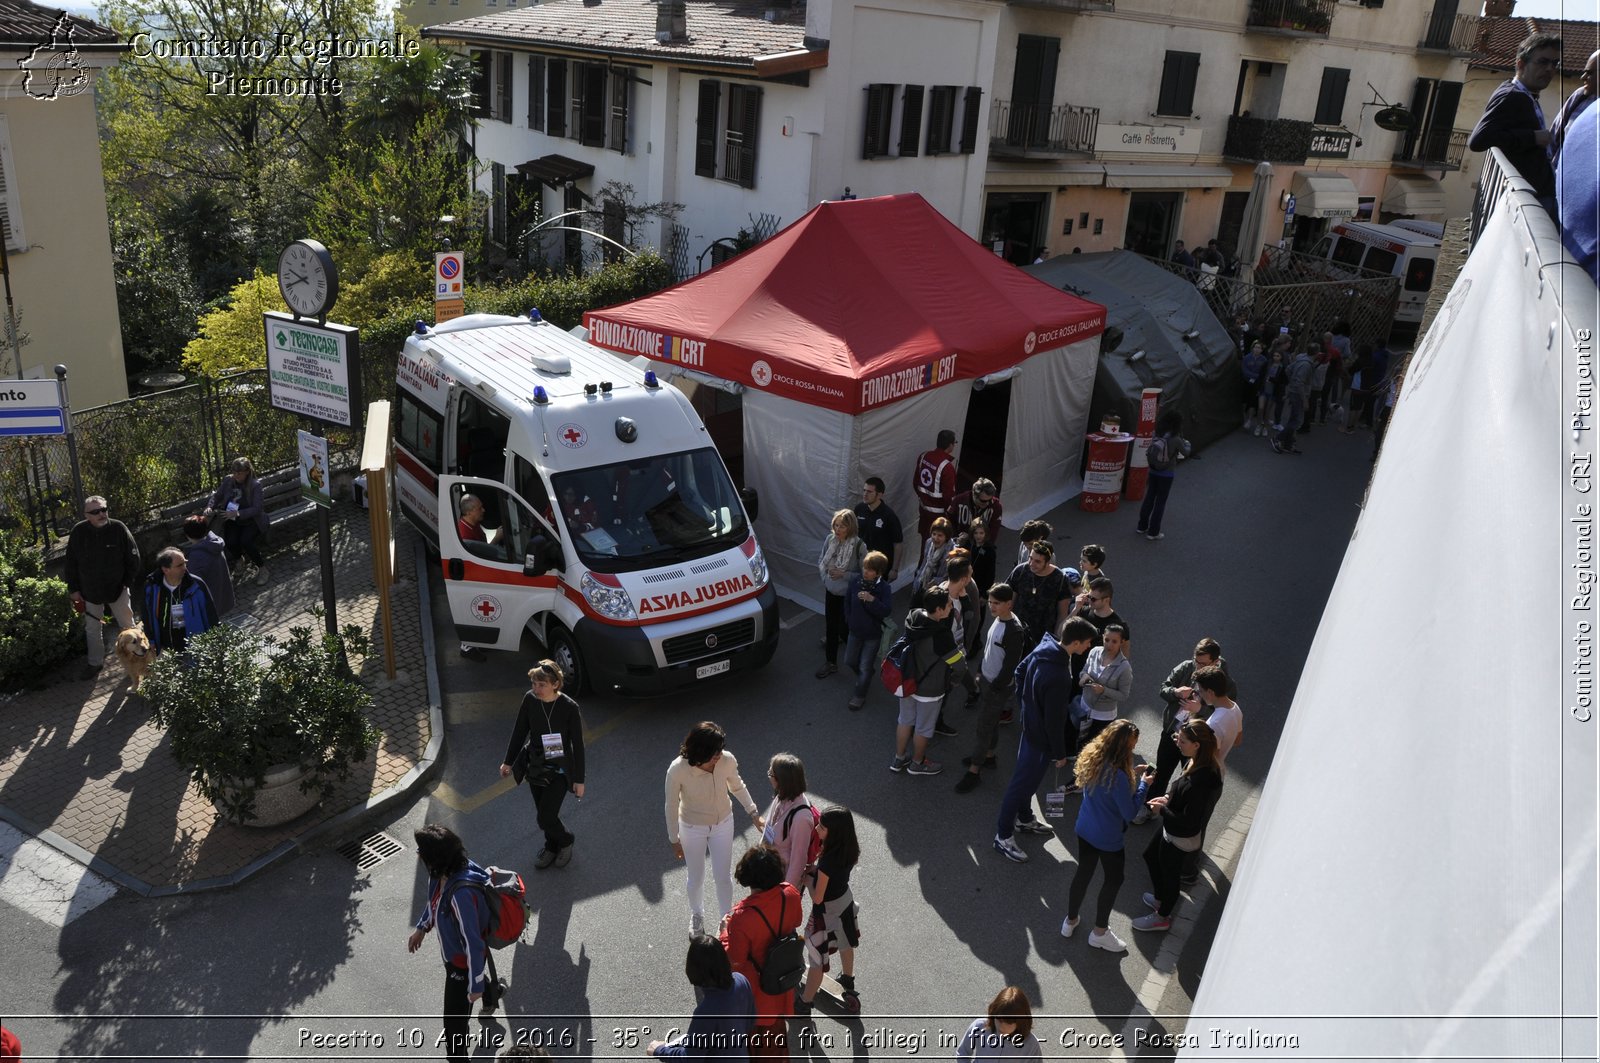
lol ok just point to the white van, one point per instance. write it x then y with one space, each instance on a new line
611 528
1352 246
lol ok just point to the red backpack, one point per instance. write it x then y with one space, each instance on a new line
814 849
507 900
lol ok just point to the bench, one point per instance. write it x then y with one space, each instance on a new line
280 493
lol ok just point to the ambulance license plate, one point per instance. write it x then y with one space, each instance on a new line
712 669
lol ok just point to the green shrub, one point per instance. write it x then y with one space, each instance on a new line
38 628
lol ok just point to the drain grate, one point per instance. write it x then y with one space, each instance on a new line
371 851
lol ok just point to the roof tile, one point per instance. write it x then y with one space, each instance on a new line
22 22
1498 39
720 31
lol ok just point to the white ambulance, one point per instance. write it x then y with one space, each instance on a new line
611 529
1408 252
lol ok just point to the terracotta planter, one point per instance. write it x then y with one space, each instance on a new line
279 799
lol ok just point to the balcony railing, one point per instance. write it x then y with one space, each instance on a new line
1034 130
1291 17
1449 32
1435 149
1067 5
1267 140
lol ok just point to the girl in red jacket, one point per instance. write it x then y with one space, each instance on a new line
771 910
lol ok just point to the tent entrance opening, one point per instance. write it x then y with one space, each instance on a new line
1152 220
723 414
983 437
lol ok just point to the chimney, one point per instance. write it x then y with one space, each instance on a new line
672 21
1498 8
819 19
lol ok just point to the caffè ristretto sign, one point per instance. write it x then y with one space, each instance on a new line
1146 140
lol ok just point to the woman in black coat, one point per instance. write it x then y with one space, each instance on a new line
1184 809
547 749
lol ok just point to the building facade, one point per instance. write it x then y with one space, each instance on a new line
53 200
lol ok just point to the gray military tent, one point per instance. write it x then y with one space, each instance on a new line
1169 339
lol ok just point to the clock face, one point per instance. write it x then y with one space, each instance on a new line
307 278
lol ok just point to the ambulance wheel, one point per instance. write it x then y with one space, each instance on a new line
564 649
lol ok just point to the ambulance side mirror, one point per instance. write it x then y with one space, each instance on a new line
751 500
543 555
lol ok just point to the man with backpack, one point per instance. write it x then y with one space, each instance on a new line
1044 679
933 650
460 913
760 939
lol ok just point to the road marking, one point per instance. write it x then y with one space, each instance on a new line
36 879
450 797
1224 853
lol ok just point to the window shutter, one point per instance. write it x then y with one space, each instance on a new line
1330 100
618 138
594 104
1179 74
502 86
880 108
1446 100
1421 96
705 133
497 203
10 195
481 72
941 116
555 98
744 121
910 120
970 110
536 92
575 122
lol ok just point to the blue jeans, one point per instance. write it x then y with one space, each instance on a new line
1159 485
862 655
1025 780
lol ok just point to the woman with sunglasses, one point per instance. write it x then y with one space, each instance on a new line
1111 799
547 749
1184 810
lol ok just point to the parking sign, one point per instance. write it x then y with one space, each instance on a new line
448 275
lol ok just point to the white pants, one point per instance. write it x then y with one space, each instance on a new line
93 629
696 841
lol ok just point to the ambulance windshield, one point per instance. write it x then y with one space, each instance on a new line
651 511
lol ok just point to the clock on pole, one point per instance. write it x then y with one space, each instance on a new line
308 279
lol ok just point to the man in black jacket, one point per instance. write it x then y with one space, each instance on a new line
102 563
1514 122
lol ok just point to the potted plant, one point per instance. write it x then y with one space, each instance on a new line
264 727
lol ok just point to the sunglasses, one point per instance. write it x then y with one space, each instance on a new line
95 512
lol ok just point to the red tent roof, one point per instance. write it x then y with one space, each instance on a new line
856 305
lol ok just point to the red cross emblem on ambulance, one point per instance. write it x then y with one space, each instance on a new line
572 436
486 608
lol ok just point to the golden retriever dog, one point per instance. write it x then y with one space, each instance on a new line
133 649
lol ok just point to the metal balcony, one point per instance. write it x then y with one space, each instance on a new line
1035 131
1434 149
1267 140
1290 18
1450 33
1067 5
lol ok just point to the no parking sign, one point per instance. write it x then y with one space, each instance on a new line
448 275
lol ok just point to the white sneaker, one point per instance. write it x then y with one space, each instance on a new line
1108 941
1008 848
1068 926
697 924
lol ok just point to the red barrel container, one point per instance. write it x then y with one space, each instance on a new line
1138 462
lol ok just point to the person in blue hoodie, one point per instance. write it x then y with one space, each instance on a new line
1043 682
868 598
720 1026
1111 799
460 913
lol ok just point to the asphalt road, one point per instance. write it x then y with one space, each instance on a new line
315 948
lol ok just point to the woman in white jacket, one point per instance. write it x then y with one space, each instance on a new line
702 784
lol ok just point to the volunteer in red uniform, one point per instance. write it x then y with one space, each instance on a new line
935 482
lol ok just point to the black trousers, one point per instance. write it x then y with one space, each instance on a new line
1165 862
1167 756
1090 858
457 1015
547 806
834 631
240 537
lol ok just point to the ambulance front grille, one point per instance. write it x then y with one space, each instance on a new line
709 566
716 641
662 577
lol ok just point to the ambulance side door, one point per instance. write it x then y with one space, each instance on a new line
497 583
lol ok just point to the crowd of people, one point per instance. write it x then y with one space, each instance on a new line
191 586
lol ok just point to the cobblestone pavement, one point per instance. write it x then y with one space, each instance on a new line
83 767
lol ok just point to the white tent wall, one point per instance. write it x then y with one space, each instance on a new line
1045 430
798 458
1421 865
